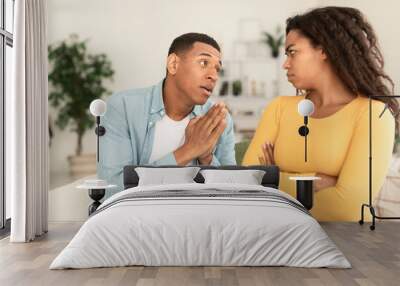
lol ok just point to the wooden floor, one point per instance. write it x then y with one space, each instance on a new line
375 257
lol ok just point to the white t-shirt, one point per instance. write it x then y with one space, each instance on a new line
168 136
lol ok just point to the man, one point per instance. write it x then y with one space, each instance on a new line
173 122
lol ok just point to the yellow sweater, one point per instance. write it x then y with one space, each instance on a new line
337 146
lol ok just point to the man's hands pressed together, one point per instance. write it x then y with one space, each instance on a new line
201 136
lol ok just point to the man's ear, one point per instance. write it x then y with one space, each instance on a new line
172 63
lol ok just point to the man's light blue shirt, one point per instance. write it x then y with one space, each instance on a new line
129 122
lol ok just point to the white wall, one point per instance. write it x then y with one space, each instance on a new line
136 36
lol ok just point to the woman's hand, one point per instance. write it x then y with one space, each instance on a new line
326 181
267 157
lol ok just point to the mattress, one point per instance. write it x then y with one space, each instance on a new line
201 225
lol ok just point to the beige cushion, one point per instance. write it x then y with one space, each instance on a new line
387 203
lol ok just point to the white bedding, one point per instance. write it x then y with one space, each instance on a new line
208 230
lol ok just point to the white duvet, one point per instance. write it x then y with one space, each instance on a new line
207 230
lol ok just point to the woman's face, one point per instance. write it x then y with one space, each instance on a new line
304 63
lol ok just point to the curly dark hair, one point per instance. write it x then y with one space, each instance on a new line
352 47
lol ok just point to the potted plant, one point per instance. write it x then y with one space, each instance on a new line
236 87
275 42
76 78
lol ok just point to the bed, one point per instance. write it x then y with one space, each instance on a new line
201 224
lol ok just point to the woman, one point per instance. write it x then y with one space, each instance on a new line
334 59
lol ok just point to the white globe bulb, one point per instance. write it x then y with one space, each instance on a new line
305 107
98 107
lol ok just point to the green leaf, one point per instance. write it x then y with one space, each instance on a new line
274 42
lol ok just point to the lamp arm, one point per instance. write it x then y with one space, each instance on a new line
100 131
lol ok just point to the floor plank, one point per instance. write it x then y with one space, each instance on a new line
375 257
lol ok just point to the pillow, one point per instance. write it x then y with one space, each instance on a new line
163 176
249 177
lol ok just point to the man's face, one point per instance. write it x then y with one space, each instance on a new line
197 72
